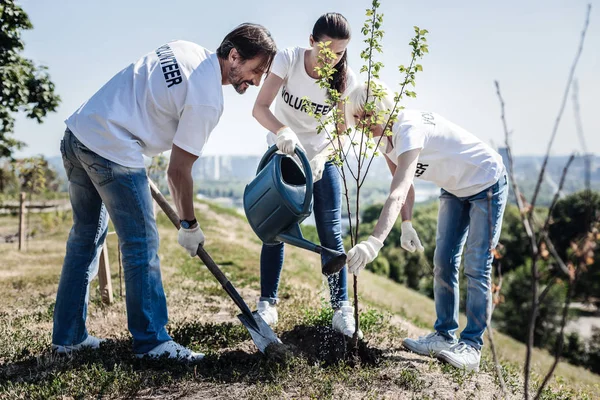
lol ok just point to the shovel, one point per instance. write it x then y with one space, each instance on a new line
261 333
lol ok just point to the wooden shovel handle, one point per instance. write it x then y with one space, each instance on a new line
174 217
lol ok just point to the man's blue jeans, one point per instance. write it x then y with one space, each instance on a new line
477 221
327 209
97 185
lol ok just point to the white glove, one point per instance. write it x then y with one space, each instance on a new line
190 239
409 240
317 166
363 253
287 141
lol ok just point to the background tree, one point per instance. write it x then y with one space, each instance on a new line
512 315
35 175
24 86
572 219
543 250
412 269
157 172
9 182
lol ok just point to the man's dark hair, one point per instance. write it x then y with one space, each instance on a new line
250 41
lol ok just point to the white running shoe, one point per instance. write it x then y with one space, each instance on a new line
268 312
343 320
91 342
429 345
173 350
462 356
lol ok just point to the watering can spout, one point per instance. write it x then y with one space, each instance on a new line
335 259
294 237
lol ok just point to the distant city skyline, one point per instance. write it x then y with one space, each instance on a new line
527 46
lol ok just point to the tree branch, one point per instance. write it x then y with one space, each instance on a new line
391 116
561 342
562 107
533 248
557 194
545 292
494 293
513 181
561 264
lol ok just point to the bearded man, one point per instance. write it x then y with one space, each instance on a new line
170 99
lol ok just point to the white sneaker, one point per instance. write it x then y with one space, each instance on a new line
91 342
343 320
174 351
462 356
268 312
429 345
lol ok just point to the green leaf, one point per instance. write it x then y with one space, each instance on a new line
24 86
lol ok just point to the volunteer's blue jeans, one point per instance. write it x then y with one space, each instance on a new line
327 209
97 185
476 221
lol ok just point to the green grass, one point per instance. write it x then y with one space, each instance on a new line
420 310
409 379
202 317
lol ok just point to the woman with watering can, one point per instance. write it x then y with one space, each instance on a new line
472 201
293 77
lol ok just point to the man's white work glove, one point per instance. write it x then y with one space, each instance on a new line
190 239
363 253
409 240
287 141
317 166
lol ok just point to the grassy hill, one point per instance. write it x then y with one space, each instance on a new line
202 317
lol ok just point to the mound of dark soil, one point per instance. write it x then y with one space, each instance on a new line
323 345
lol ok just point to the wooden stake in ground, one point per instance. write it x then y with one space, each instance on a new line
21 221
104 277
120 267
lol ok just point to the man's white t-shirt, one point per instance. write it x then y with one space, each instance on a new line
172 95
289 65
450 157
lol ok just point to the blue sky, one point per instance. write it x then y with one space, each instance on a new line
527 46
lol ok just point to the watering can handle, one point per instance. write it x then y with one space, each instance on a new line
305 165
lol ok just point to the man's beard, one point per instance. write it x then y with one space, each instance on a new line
237 82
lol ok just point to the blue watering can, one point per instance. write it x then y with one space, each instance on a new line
279 199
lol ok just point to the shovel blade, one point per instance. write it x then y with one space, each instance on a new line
264 335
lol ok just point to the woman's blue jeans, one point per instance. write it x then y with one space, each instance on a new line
327 210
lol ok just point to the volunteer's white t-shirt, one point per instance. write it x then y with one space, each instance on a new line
172 95
450 156
289 65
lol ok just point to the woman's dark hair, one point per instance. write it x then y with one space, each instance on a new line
334 26
250 41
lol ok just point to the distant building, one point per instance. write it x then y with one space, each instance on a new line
503 151
230 168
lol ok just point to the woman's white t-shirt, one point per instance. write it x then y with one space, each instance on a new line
450 156
297 84
172 95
